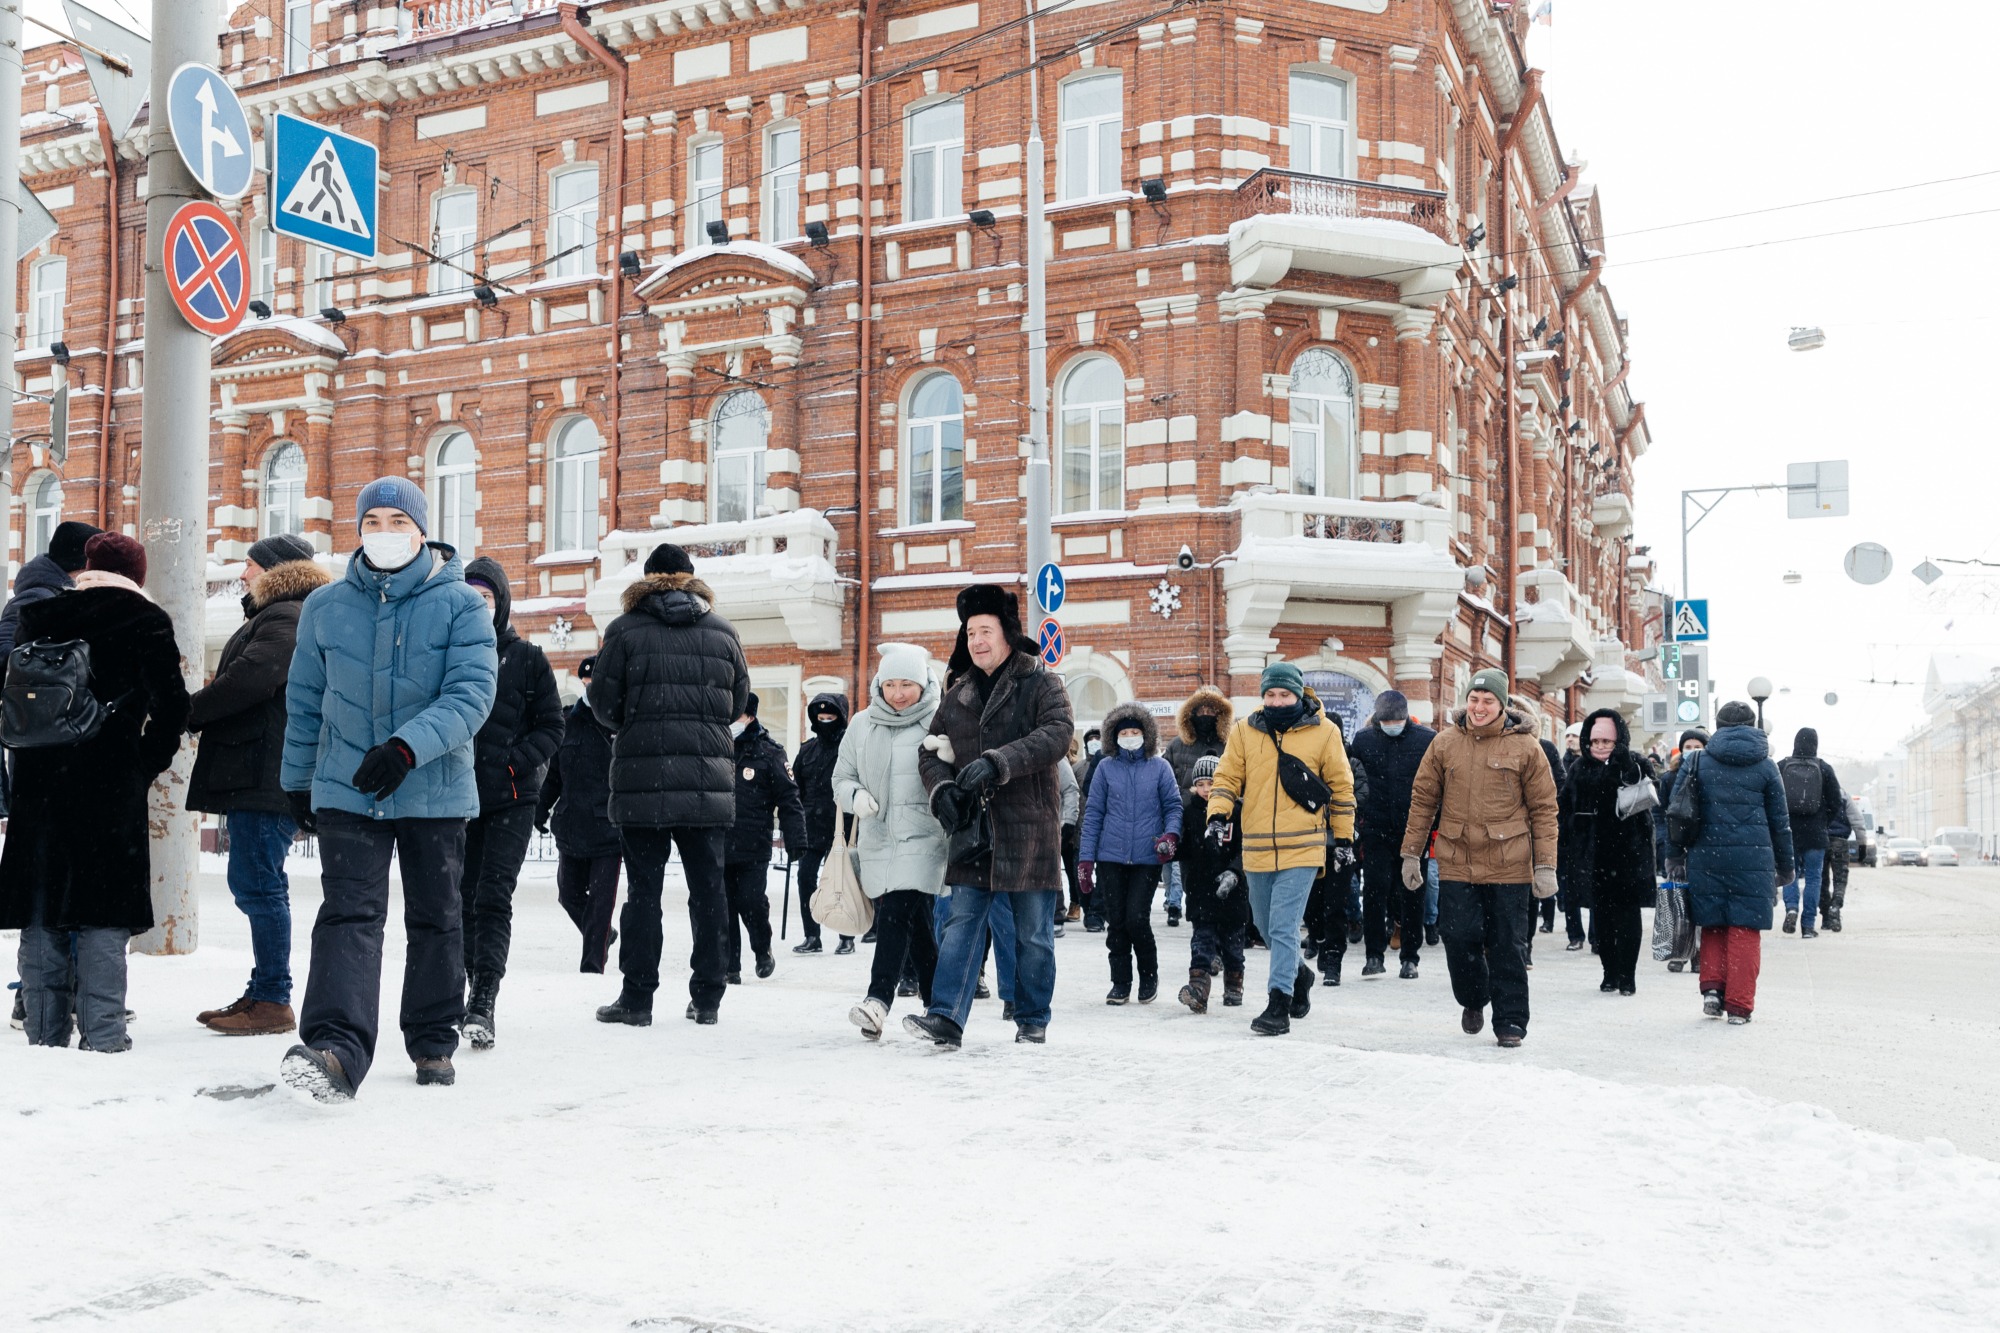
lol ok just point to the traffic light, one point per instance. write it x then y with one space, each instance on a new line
1670 661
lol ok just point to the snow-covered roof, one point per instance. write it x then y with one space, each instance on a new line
305 330
768 254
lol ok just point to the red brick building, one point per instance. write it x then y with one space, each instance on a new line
1289 244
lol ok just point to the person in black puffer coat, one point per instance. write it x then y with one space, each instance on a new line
45 576
1218 901
575 806
240 716
510 755
764 788
827 715
1387 752
670 679
1605 859
1812 795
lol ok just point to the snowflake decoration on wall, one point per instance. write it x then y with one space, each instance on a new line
1166 600
561 631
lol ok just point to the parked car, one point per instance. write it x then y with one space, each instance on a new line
1960 839
1940 854
1900 852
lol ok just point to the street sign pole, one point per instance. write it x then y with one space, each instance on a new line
1040 536
10 226
173 471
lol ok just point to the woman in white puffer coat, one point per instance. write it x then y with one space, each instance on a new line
899 845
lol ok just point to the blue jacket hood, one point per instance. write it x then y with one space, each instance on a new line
1739 747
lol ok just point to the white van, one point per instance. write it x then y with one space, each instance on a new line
1960 839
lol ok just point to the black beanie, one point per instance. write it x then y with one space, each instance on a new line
987 599
280 548
66 544
668 558
750 708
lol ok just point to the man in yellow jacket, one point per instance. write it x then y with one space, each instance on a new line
1485 786
1284 775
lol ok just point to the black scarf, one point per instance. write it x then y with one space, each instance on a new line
1284 719
1204 727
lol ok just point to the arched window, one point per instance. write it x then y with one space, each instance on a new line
284 490
934 447
1093 122
1090 697
573 222
573 485
739 433
1321 119
1323 454
452 491
454 235
45 500
1091 402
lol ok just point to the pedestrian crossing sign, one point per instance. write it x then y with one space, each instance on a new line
323 185
1691 621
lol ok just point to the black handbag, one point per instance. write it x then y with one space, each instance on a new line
972 841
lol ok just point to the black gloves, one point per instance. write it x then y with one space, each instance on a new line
978 775
384 768
952 806
302 811
1343 854
1225 883
1217 835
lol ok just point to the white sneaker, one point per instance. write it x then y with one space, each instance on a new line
869 1016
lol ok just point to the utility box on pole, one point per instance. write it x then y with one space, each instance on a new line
173 471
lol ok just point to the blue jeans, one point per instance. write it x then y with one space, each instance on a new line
1001 931
257 846
1812 862
1278 903
1030 918
1175 894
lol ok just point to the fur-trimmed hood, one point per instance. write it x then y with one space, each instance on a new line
660 584
1126 716
1206 696
289 582
104 578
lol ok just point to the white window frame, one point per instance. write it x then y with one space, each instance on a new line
573 485
1106 482
1306 426
705 189
721 459
575 222
282 501
931 430
454 243
48 293
1082 141
947 196
298 35
781 182
319 279
43 516
454 489
265 280
1309 127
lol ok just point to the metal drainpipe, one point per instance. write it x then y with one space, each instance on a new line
1509 513
865 383
614 65
110 326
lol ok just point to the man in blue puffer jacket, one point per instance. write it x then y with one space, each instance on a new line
393 675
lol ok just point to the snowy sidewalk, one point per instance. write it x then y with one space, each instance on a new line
1147 1170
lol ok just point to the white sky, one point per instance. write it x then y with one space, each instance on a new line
1691 112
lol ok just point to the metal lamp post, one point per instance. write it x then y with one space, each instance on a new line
1760 690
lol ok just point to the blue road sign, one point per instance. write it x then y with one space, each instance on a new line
208 271
1051 637
1691 621
323 185
211 132
1050 588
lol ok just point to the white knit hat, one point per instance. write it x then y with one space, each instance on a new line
903 661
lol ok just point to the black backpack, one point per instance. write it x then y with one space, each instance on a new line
47 700
1684 811
1804 788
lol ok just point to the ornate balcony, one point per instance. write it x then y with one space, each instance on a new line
773 578
1296 549
1553 643
1612 513
1287 220
437 18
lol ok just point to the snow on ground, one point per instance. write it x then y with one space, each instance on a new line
1147 1170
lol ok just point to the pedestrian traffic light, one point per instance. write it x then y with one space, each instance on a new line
1670 661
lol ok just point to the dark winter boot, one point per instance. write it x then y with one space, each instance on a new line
1173 915
1119 993
810 944
704 1017
1302 993
1329 964
1195 994
934 1028
1409 971
1431 936
478 1027
1149 988
1472 1021
1276 1020
1711 1003
1831 920
629 1012
436 1071
1375 967
1791 922
766 965
1232 989
317 1074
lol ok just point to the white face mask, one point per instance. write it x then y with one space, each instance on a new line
389 550
1393 728
1131 740
1092 748
737 729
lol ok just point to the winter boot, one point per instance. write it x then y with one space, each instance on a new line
436 1071
1232 989
704 1017
766 965
317 1074
934 1028
810 944
1431 936
629 1012
1354 933
1375 966
261 1019
1119 993
869 1016
1409 971
845 947
734 978
1275 1021
1831 920
478 1027
1006 1011
1035 1034
979 992
1149 988
206 1016
1329 973
1195 994
19 1022
1472 1021
1173 914
1711 1003
1738 1020
1791 922
1808 933
1508 1037
1302 993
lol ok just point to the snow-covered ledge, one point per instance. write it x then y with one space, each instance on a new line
773 578
1553 645
1614 685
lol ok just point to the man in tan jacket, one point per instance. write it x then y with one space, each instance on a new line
1485 786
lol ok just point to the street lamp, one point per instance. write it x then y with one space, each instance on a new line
1760 690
